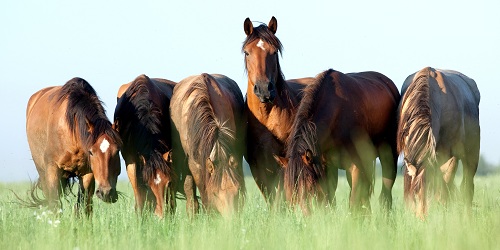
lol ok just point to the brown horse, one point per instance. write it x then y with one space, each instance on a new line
207 111
70 136
142 119
271 104
344 121
438 125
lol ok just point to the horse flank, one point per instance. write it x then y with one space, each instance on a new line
209 137
84 108
414 127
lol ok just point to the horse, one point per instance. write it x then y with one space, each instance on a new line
208 117
142 118
438 126
344 121
69 136
271 104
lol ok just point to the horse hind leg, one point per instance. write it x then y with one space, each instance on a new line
470 164
85 192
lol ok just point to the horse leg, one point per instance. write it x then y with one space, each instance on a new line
388 160
137 185
85 192
448 170
192 205
52 187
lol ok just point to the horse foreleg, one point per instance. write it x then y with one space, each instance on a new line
85 192
388 160
52 187
192 205
138 186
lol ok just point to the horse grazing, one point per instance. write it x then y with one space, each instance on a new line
69 135
207 112
438 125
343 121
271 104
142 119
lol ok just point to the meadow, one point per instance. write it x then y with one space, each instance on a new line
116 226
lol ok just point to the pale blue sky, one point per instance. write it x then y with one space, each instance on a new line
109 43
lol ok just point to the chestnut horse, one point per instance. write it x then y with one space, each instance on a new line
207 111
69 135
142 119
343 121
438 125
271 103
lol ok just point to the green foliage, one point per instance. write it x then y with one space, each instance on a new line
116 226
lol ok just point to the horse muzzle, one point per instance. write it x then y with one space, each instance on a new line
109 195
265 92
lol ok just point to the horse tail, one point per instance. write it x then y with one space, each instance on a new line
415 132
35 199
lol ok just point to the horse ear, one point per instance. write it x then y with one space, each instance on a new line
209 166
282 161
273 25
90 126
307 157
168 156
248 26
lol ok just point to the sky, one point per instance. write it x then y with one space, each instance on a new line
109 43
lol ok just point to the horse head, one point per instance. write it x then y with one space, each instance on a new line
302 175
261 49
225 184
105 164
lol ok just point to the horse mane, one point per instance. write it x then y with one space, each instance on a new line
303 137
208 136
415 123
84 108
145 124
263 32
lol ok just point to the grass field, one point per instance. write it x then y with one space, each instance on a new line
116 226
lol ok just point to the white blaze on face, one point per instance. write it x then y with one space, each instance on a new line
157 180
260 44
104 145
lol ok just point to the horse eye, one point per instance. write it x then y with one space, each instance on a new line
90 153
246 53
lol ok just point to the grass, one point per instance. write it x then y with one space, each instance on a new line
116 226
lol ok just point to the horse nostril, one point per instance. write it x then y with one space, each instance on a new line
270 86
255 89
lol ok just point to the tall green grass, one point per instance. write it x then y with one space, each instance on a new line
116 226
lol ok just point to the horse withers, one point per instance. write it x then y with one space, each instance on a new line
69 135
438 126
344 121
142 119
208 114
271 104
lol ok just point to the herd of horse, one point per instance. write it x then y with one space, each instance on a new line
190 137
